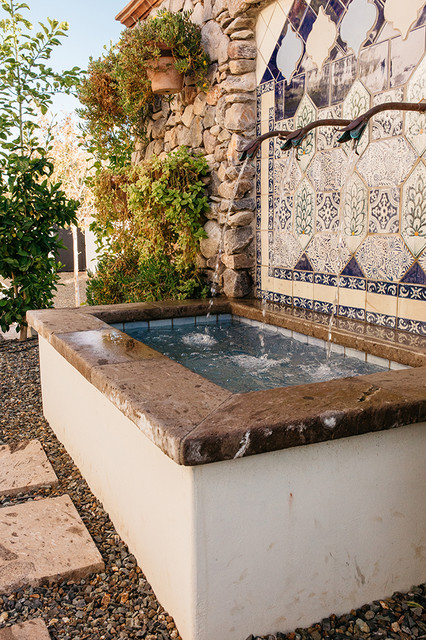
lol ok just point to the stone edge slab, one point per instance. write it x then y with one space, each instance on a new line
49 480
384 402
34 629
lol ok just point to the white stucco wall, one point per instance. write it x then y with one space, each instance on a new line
255 545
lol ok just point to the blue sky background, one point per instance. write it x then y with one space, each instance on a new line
92 25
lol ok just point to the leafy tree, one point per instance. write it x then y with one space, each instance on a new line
29 205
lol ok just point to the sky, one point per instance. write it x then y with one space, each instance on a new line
92 25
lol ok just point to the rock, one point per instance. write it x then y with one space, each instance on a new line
209 141
215 130
362 625
248 204
188 6
236 284
159 128
247 34
214 94
242 49
242 66
227 189
188 115
176 5
240 117
220 153
233 171
196 132
199 104
247 96
197 16
183 136
224 135
214 41
209 117
240 219
235 240
210 246
236 145
238 24
369 615
244 82
238 261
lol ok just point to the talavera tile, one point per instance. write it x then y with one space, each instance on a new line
359 19
415 123
327 211
384 211
321 39
405 54
289 54
305 114
413 210
355 210
287 250
387 123
402 14
373 67
327 136
304 212
318 85
384 257
355 104
325 253
327 170
378 167
343 73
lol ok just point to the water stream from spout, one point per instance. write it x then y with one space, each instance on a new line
215 280
349 169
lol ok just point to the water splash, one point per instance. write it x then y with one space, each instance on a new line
199 339
349 169
215 280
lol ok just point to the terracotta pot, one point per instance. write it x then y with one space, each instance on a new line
164 78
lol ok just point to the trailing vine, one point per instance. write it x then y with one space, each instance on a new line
150 221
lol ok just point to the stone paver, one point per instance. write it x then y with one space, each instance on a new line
31 630
23 467
44 541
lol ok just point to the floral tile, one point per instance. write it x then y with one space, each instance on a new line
355 104
413 326
287 250
323 307
382 288
354 313
378 167
327 211
422 261
384 211
327 136
384 258
412 291
304 212
327 170
415 123
349 282
325 253
355 208
305 114
387 123
326 279
413 210
373 67
381 319
284 213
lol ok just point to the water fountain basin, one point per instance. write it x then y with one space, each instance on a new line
245 520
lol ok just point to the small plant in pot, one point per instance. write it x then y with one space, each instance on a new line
169 47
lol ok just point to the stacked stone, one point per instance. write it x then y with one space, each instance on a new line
218 124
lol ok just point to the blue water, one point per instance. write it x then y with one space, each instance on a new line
242 358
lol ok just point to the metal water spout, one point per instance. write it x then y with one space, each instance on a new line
352 129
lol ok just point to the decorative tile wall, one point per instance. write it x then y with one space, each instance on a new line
334 227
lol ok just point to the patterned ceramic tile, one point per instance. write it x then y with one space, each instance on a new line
318 85
343 73
405 55
414 326
359 19
414 210
380 319
384 257
289 54
387 123
384 211
422 261
327 211
373 67
293 94
413 292
403 14
356 103
325 253
284 213
378 167
304 212
327 136
287 250
327 170
415 123
321 38
355 208
354 313
305 114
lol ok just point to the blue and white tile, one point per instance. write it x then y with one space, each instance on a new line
415 123
327 170
350 282
355 104
327 136
383 288
287 250
414 210
305 114
384 257
413 326
355 212
353 313
412 291
378 167
384 211
405 55
373 67
327 218
357 23
326 254
387 123
380 319
304 212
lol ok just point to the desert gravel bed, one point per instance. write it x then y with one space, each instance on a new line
119 603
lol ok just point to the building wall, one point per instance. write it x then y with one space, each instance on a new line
337 59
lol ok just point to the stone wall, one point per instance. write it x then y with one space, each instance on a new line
218 124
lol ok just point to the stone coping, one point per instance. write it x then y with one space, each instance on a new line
194 421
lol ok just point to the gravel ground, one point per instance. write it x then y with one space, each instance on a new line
119 603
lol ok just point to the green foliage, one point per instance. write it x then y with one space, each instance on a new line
27 85
29 205
116 93
30 210
151 217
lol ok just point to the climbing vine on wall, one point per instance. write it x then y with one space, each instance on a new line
149 221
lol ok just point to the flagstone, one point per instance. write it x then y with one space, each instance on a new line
24 466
